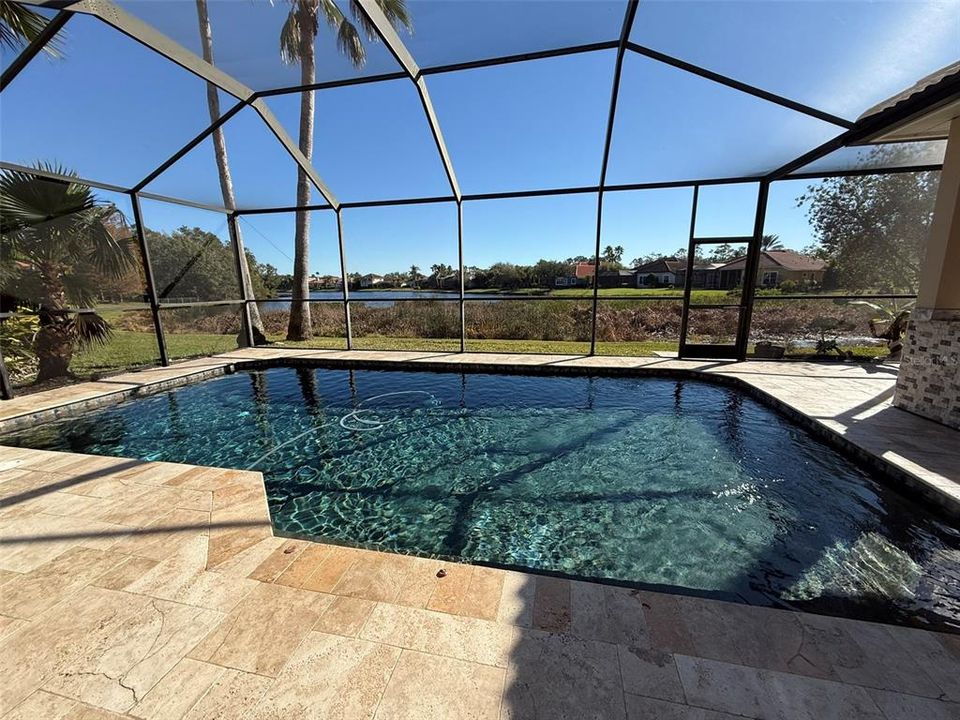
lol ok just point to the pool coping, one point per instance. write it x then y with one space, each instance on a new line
909 477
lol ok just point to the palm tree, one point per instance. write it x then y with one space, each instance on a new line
223 167
19 25
297 46
56 240
771 242
414 275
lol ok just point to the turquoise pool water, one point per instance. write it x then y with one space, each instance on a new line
654 481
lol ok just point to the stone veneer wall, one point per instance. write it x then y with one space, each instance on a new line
929 380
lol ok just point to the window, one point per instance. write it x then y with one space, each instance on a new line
770 278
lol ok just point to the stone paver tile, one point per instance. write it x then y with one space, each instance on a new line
756 693
345 616
246 561
9 625
644 708
607 613
231 696
41 589
178 691
102 647
57 503
235 489
33 540
260 634
703 622
427 687
304 565
650 672
40 705
483 596
449 591
551 605
8 575
278 561
166 536
516 601
439 633
125 572
931 654
899 706
183 578
330 677
374 576
419 583
149 503
88 712
756 636
557 676
865 654
226 542
331 570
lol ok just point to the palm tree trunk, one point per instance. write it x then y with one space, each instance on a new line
54 343
223 167
300 327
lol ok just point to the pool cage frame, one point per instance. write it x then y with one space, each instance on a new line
860 132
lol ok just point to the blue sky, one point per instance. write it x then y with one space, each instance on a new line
113 110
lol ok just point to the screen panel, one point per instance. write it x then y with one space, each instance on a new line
672 125
119 125
526 126
840 57
371 142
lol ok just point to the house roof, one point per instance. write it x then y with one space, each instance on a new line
621 273
583 269
660 265
786 259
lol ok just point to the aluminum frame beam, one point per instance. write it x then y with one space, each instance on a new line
628 18
738 85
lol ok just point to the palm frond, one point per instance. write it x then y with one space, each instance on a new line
20 25
350 44
89 329
290 39
398 14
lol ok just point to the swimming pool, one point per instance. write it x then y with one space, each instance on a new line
674 482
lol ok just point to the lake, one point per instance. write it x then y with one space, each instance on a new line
379 298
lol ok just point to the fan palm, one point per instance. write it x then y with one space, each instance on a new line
19 25
56 240
297 47
223 168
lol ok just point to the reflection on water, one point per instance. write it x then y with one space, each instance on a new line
654 481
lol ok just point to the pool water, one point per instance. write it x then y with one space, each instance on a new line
644 480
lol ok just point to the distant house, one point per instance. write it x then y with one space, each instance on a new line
580 274
616 278
370 280
704 276
775 268
661 272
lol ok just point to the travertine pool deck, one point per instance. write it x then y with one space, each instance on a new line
157 590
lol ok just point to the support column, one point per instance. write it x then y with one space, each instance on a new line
246 322
148 276
929 379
